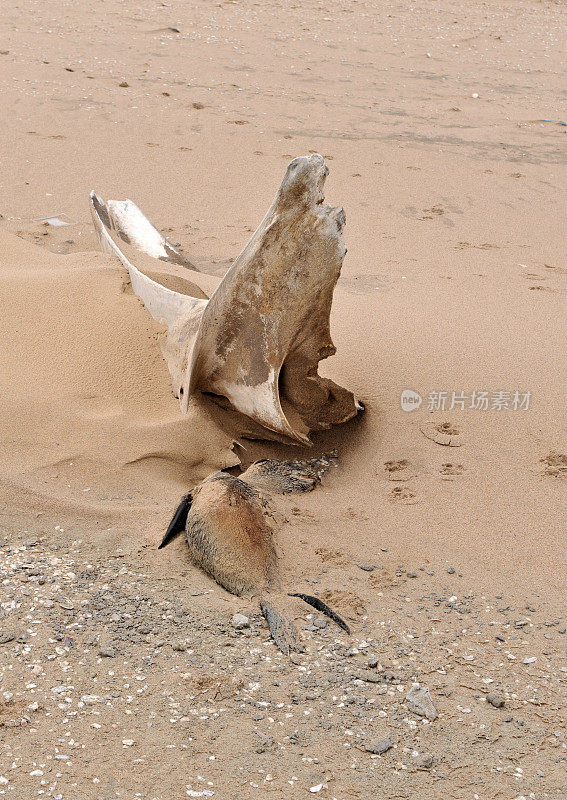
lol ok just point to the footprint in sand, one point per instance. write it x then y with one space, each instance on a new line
403 495
555 465
443 433
430 213
382 579
401 470
332 556
542 289
303 514
450 471
349 603
533 277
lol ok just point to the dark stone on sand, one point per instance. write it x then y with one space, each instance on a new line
371 677
495 699
379 746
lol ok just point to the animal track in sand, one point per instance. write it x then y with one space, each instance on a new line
450 471
555 465
443 433
349 603
483 246
401 470
403 495
431 212
301 513
382 579
334 556
534 276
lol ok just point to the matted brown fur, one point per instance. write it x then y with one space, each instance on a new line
229 535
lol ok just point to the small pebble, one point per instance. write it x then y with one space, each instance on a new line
240 621
379 746
495 699
419 701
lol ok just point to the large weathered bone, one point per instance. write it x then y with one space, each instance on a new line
260 337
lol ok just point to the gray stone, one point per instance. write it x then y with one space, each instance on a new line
419 701
107 652
370 677
240 621
379 746
495 699
424 762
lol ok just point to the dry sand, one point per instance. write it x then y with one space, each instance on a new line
430 118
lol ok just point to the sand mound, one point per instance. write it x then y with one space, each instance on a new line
86 403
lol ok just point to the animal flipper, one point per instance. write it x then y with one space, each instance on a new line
283 632
317 603
177 524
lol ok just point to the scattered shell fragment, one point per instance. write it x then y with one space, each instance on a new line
57 220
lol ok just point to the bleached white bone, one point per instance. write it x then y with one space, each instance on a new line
260 337
125 219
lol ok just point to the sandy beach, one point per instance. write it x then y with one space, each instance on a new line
438 530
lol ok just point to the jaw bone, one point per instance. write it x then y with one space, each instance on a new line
260 337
